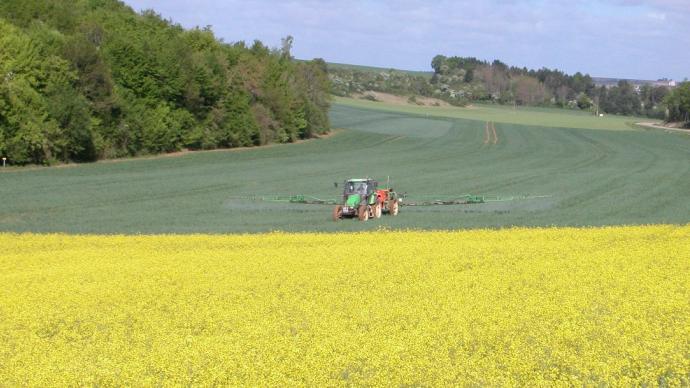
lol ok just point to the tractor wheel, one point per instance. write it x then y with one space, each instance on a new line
393 208
377 210
363 212
337 213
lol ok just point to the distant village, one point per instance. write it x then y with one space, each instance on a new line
636 83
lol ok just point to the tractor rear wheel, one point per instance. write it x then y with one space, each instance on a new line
337 213
377 210
393 208
363 212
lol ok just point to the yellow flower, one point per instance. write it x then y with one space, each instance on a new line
529 307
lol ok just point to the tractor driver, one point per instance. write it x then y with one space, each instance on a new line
356 188
361 188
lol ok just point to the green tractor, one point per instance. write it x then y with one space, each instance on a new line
363 199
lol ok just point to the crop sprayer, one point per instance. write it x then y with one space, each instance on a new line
363 199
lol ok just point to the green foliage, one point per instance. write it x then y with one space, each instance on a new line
496 82
678 103
348 80
652 98
479 80
621 100
92 79
34 86
583 101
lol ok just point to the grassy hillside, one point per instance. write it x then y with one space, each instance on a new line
343 66
593 177
546 117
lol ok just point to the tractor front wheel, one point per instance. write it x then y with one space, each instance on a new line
363 212
337 213
377 210
393 208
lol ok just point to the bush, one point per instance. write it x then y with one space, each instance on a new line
369 96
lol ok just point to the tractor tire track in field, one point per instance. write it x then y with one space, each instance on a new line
659 196
487 135
446 152
490 136
598 151
527 143
387 139
592 153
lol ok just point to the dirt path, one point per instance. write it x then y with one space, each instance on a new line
493 130
665 128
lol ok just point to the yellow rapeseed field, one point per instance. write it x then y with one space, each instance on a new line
528 307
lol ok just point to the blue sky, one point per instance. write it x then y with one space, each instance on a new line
606 38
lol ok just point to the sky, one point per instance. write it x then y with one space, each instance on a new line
633 39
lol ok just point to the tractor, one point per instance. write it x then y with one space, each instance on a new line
363 199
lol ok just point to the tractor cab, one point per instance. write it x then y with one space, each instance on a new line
362 187
363 199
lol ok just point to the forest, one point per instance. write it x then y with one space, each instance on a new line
93 79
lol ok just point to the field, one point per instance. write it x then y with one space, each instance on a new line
517 307
530 116
373 69
607 176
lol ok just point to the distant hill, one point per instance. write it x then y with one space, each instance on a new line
344 66
608 82
598 81
464 80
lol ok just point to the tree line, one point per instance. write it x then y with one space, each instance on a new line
463 80
92 79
